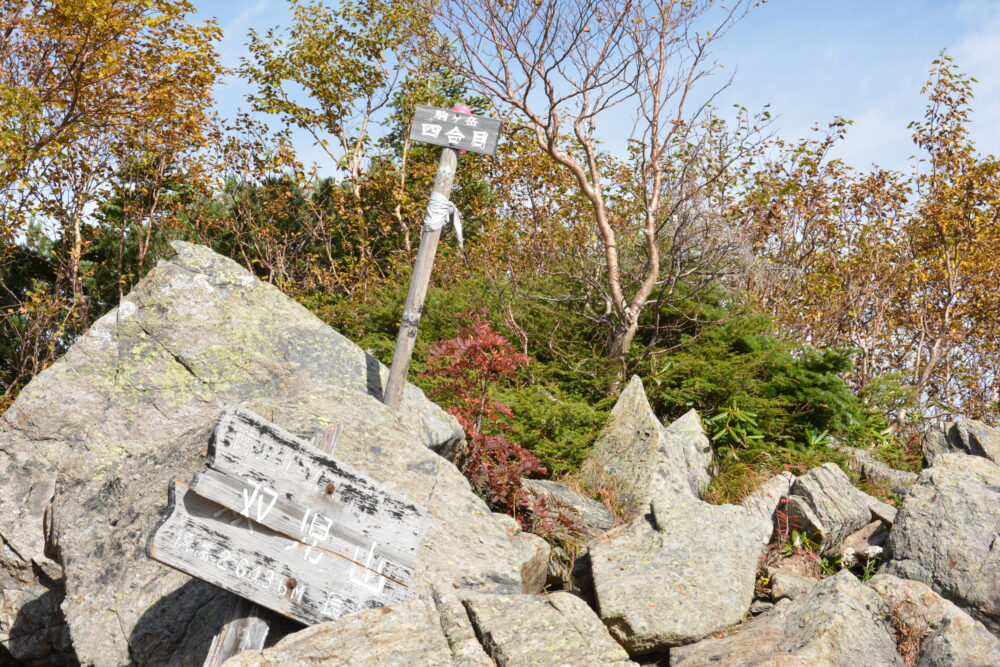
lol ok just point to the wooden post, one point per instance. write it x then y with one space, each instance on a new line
245 629
418 287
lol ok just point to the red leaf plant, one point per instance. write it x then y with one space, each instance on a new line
466 369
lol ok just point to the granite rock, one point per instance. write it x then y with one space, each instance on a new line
839 623
684 571
947 535
130 407
637 458
865 465
952 637
824 503
964 436
590 513
785 584
552 631
410 634
869 539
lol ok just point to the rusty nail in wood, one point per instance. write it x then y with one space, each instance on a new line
291 583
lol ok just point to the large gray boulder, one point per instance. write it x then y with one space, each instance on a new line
558 630
439 629
91 443
949 635
947 535
824 503
684 571
637 458
965 436
839 623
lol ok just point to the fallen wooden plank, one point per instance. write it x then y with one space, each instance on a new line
246 627
328 499
302 581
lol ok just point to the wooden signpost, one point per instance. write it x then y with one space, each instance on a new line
455 129
279 522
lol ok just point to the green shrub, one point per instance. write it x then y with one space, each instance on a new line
557 427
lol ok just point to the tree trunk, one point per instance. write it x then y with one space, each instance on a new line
620 339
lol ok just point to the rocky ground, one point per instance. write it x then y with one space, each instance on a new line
89 446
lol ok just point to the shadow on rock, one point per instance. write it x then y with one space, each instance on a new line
179 628
374 376
39 635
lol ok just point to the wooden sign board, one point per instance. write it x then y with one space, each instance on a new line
278 522
462 131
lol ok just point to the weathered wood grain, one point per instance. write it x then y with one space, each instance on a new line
304 582
245 629
246 626
276 479
265 506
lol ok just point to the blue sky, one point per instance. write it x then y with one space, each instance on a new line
810 59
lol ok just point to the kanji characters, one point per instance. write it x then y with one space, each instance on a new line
479 139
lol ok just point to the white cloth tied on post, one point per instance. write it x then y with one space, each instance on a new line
439 210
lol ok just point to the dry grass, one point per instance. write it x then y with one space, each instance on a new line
910 627
735 482
879 488
606 490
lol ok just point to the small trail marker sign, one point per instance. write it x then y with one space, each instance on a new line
455 129
276 521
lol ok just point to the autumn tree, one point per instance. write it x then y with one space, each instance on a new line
347 61
574 72
949 305
898 266
87 91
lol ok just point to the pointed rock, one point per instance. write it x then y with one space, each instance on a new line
688 434
636 458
